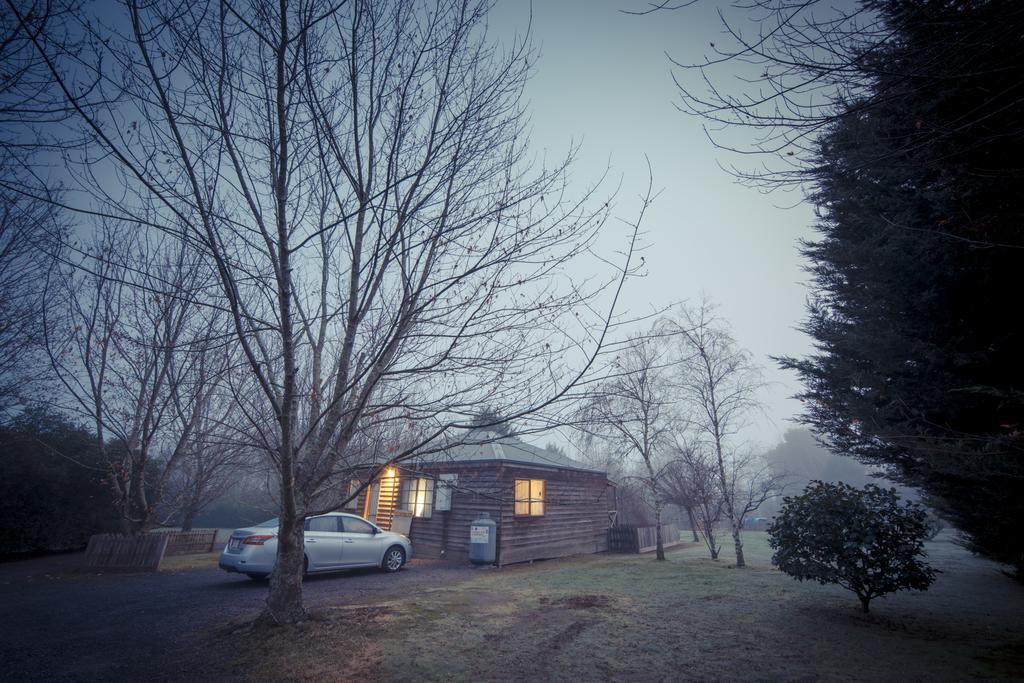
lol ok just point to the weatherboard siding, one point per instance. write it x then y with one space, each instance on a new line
575 519
446 534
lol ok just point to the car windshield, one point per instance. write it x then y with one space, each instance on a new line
270 523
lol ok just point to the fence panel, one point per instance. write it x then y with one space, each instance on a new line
622 539
642 539
191 542
117 552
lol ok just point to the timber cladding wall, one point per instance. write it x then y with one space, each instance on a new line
446 534
575 519
575 516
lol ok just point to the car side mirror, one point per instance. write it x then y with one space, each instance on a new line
376 531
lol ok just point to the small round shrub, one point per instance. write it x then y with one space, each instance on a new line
862 539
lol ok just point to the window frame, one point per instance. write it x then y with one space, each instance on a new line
352 519
409 490
444 490
532 500
308 523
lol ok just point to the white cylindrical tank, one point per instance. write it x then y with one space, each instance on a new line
483 540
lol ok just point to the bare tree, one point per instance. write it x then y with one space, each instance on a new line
356 174
691 482
633 409
681 495
783 69
29 232
126 341
29 104
751 483
217 453
718 382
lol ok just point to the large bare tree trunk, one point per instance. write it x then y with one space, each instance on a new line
693 523
660 551
284 602
740 562
728 497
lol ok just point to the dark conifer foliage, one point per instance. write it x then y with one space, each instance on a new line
917 271
53 488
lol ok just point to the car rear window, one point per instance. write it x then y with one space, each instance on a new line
354 525
322 524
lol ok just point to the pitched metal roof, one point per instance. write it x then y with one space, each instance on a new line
507 449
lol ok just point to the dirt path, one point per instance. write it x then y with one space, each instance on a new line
57 625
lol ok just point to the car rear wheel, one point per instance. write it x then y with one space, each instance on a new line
394 558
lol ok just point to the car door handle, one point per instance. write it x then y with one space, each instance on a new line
310 540
349 540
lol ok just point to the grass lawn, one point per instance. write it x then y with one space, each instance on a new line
632 618
178 563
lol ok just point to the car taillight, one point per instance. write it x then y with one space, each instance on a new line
256 540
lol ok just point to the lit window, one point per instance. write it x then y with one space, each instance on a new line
416 495
529 497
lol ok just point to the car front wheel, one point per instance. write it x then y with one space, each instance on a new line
394 558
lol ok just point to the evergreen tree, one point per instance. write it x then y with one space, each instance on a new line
917 270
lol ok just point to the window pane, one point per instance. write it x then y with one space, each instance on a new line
538 489
536 509
422 502
357 526
522 489
522 508
322 524
443 499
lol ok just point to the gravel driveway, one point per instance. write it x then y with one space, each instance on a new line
59 625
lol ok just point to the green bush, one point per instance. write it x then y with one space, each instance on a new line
861 539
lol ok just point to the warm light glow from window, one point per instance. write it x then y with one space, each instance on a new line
529 498
417 496
419 502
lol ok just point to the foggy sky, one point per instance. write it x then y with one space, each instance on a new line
603 79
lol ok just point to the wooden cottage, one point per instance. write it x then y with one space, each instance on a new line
545 505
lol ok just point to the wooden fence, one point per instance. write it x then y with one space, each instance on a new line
641 539
116 552
191 542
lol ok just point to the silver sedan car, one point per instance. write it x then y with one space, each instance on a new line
333 541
